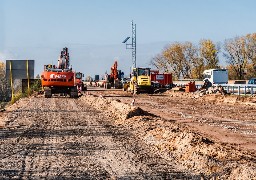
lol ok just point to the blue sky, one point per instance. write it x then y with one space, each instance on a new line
94 29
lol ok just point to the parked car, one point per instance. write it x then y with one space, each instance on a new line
252 81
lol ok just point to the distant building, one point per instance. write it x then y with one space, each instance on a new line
18 70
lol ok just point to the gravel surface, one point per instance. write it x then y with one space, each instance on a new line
63 138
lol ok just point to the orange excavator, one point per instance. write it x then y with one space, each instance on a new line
60 79
114 79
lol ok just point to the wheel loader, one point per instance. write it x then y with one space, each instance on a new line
140 81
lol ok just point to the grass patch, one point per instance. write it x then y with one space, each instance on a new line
35 87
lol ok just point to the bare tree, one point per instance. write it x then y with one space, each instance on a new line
250 46
191 59
236 55
160 63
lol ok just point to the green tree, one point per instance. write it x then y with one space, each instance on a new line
209 53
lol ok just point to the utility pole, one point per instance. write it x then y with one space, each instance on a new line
132 45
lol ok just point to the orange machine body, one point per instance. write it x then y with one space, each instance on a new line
114 73
58 78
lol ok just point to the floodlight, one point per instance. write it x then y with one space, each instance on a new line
126 39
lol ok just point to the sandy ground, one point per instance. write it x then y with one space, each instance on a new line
213 134
63 138
101 135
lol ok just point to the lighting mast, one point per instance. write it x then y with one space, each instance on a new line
132 45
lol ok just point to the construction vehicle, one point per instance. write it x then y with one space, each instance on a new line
79 82
114 79
59 79
216 76
140 81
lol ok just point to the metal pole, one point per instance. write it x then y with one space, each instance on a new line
28 79
133 45
11 79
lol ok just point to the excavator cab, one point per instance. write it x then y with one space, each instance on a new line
79 82
79 75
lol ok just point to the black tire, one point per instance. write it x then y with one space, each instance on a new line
47 93
73 92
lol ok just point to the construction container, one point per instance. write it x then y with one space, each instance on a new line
190 87
165 79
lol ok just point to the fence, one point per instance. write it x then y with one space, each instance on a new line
240 89
237 89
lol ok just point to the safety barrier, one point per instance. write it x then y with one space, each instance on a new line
237 89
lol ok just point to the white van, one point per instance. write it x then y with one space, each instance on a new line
216 76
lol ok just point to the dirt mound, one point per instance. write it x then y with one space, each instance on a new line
113 107
176 142
200 154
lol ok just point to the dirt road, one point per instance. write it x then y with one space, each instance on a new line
63 138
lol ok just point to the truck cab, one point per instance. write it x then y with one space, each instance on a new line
216 76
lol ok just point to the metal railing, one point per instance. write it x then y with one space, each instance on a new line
237 89
240 89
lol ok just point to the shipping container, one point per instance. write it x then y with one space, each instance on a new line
165 79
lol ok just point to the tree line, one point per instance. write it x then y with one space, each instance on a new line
3 82
188 60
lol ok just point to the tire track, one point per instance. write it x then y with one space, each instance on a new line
63 138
